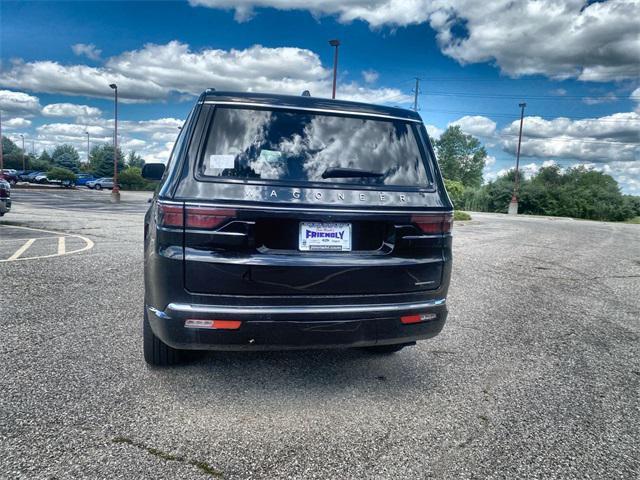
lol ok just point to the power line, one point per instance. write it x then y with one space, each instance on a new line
518 96
514 117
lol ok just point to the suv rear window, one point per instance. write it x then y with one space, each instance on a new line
298 147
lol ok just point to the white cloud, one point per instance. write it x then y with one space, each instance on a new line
433 131
152 139
18 103
88 50
608 98
476 125
370 76
611 138
596 41
155 71
635 96
16 123
70 110
610 144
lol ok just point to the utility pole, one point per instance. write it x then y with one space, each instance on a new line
23 162
335 43
415 95
33 147
88 146
115 192
513 206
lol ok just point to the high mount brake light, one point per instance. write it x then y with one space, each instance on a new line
433 224
202 218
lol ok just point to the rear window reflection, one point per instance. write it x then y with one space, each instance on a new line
290 146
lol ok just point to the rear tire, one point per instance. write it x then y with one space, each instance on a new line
386 349
156 352
98 186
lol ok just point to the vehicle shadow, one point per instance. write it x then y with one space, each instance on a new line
322 374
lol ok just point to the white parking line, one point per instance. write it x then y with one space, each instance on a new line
22 249
61 246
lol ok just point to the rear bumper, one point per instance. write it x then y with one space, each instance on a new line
292 327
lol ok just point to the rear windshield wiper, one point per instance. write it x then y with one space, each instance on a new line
349 173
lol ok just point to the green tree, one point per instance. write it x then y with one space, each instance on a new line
461 157
101 160
577 192
66 156
45 157
456 192
12 155
135 160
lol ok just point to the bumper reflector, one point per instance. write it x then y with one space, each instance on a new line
422 317
213 324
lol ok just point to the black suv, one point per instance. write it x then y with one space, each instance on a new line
295 222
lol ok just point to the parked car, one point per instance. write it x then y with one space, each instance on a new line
84 178
31 177
100 183
41 178
5 197
9 175
23 174
293 222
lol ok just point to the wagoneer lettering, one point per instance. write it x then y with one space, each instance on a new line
294 222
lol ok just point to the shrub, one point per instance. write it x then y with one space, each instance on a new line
455 190
459 215
131 179
62 174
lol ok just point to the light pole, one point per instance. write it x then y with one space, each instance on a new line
335 43
23 162
513 206
88 146
115 192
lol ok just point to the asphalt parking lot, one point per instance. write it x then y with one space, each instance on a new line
536 375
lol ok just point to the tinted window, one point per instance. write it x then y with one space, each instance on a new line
300 147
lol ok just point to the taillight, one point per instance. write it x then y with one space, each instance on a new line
201 218
170 215
206 217
433 224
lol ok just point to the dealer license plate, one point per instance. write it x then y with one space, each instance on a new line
334 237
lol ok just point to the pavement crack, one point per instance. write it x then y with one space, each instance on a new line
199 464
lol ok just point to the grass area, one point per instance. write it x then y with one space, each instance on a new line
635 220
203 466
459 215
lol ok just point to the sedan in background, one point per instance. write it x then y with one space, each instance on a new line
99 184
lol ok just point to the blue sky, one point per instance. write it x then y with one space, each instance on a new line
574 66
